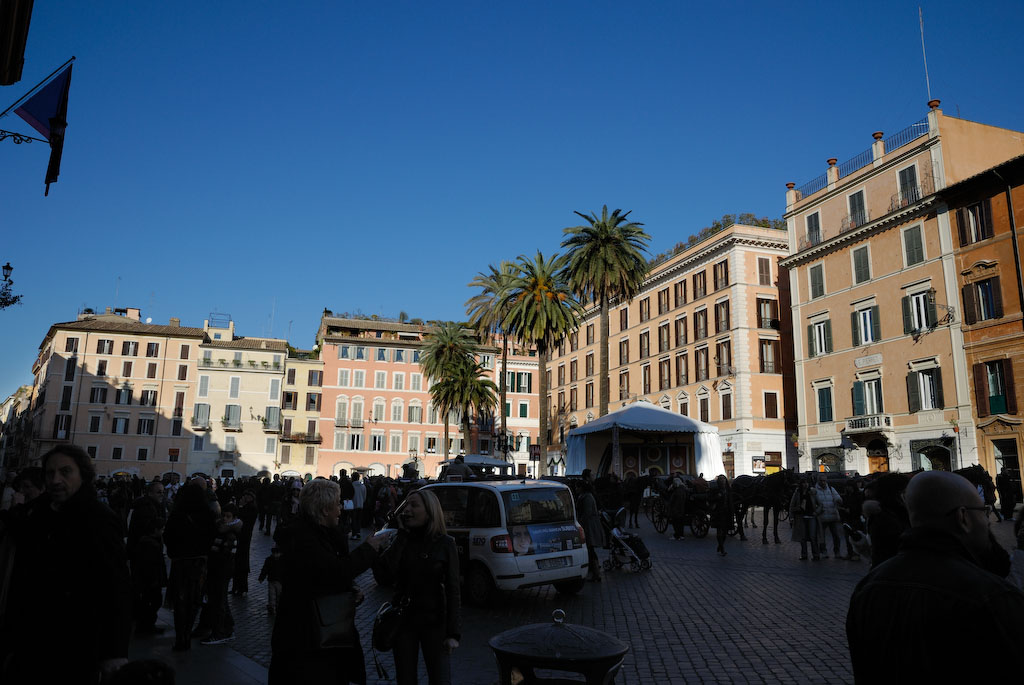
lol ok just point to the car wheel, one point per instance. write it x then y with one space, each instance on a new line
569 587
479 586
645 565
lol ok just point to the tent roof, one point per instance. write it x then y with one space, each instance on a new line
645 417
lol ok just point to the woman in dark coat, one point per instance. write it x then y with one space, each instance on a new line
188 536
315 562
590 518
425 564
677 508
723 514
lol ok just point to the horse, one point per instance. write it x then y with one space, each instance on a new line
977 474
769 492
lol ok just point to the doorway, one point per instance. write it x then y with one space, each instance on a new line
1005 452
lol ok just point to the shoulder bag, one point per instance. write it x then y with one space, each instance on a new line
387 624
334 623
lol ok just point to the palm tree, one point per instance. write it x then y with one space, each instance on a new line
541 311
467 391
487 312
449 346
605 263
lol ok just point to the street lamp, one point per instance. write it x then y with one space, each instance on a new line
414 455
6 298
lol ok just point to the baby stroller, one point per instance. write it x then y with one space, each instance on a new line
625 547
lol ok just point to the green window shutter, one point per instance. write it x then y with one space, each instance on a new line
908 319
855 328
914 246
913 392
828 335
997 298
981 402
824 404
937 380
858 398
810 340
876 324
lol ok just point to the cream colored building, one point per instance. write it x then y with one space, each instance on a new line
704 337
882 381
299 419
238 394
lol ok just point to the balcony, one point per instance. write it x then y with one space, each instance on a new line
725 370
231 426
308 438
227 456
871 423
271 426
356 423
200 424
854 220
340 422
767 322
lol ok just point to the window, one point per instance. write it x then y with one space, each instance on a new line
377 442
359 379
645 378
148 398
183 353
275 389
824 403
700 285
316 379
572 399
65 400
204 386
983 300
91 451
726 406
770 356
104 347
721 274
623 352
588 395
286 454
913 247
645 309
924 390
975 222
116 452
623 318
271 446
95 424
382 354
396 411
360 355
623 385
679 292
918 311
771 405
101 368
588 365
910 192
238 359
590 334
767 313
664 339
152 349
867 397
574 343
380 379
199 442
399 356
150 370
705 405
143 454
723 358
120 425
344 352
129 348
233 387
682 372
272 418
572 371
398 381
764 271
684 406
819 338
994 389
664 374
201 415
662 301
312 401
145 426
722 317
700 324
179 405
123 395
866 326
524 410
182 372
176 427
232 419
71 345
645 344
861 265
813 229
700 362
229 443
98 395
396 442
681 331
290 377
817 276
415 381
858 213
126 369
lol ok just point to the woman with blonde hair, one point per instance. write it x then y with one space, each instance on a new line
425 564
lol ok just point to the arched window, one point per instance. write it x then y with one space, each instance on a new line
379 408
396 410
341 412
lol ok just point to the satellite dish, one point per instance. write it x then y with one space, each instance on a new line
149 319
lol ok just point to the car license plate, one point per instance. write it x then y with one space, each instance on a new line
548 564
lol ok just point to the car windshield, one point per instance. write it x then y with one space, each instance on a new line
538 505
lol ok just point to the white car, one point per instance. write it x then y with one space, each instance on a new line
513 534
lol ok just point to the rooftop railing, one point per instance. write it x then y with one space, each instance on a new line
912 132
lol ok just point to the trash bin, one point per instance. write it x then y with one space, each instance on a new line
558 646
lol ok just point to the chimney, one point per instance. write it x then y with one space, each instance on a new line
134 313
791 198
832 172
109 310
877 147
175 322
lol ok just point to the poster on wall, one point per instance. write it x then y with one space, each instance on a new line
759 464
542 538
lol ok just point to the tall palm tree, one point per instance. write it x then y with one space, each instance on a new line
606 262
542 310
449 346
475 395
487 311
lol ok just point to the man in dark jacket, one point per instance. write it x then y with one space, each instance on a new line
936 585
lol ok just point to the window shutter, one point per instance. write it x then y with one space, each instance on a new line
879 404
981 389
855 328
913 392
810 340
822 408
858 398
937 382
961 220
933 317
828 335
985 222
997 297
970 303
777 356
908 319
1011 394
876 324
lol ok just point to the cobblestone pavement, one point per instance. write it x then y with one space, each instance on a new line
758 615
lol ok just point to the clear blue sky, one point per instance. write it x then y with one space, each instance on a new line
244 157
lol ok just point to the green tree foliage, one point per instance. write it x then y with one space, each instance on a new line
449 347
727 220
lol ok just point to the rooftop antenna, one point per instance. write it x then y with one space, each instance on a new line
927 83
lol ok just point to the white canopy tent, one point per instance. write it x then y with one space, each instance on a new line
642 422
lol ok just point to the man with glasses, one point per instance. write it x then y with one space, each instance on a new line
929 613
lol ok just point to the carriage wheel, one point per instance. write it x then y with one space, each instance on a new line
645 565
660 518
648 505
700 524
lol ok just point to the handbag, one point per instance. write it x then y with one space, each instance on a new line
334 621
386 625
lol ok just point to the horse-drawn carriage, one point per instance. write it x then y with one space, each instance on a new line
655 504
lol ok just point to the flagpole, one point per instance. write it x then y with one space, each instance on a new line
37 86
